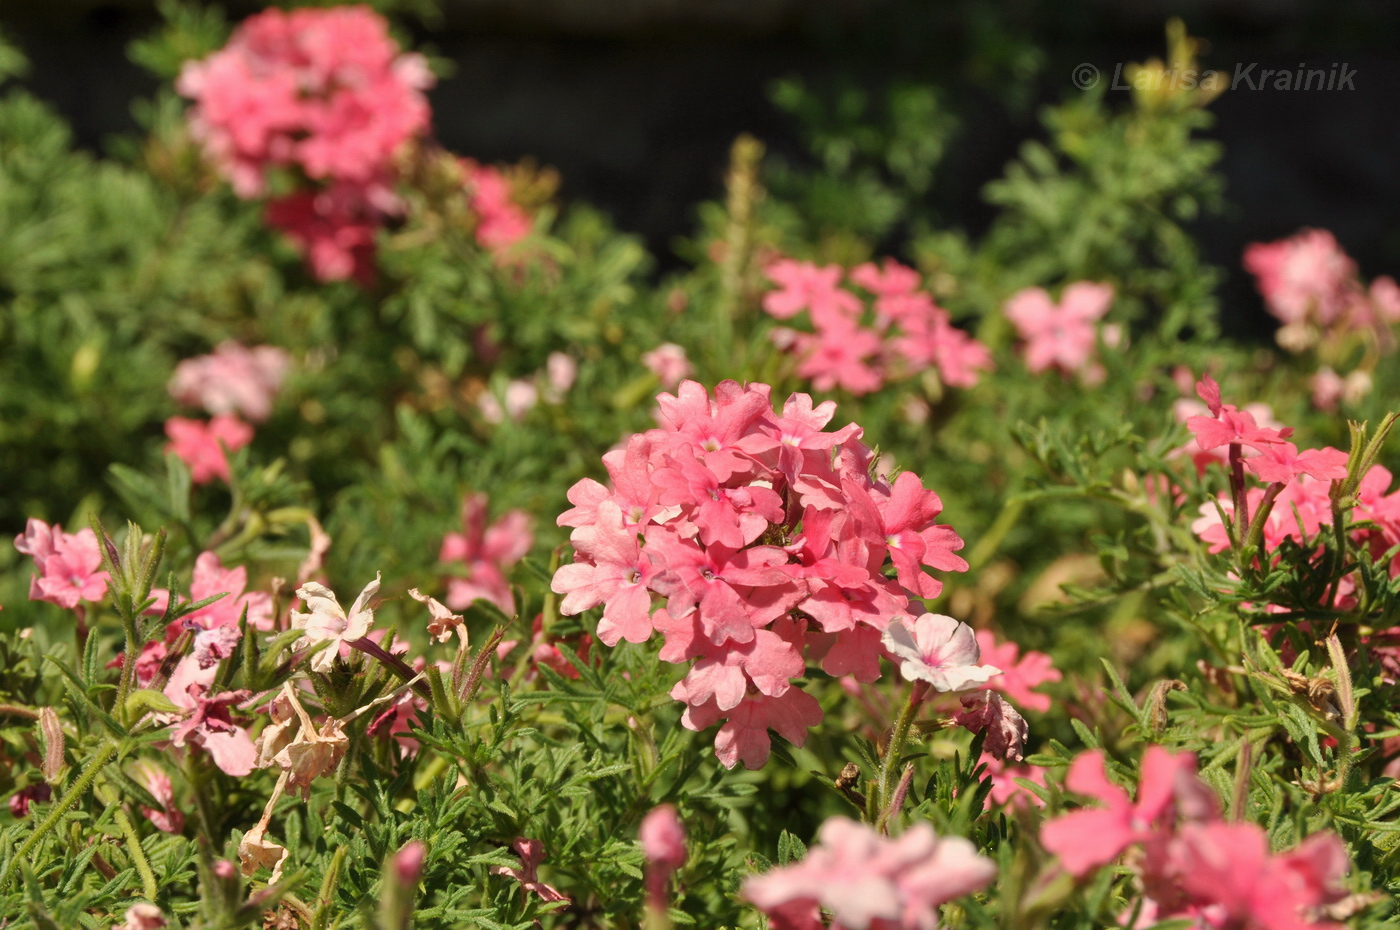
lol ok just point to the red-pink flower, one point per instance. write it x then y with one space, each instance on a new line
202 446
866 881
488 553
1020 674
608 568
1086 839
232 379
1060 335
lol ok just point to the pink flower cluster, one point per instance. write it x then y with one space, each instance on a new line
488 552
232 379
1313 288
903 333
765 536
1297 483
1193 865
866 881
69 565
1062 336
203 446
500 223
327 94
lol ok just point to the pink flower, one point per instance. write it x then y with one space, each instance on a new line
1232 881
531 853
668 362
333 227
662 836
1005 790
327 621
805 286
1059 336
325 91
69 564
840 354
744 735
870 882
488 552
1019 674
1327 389
1283 462
890 280
938 650
1303 278
208 725
1087 839
608 568
202 446
232 379
210 578
500 223
170 819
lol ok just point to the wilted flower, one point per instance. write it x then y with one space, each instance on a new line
327 622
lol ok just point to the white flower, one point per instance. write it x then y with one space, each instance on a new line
939 650
327 621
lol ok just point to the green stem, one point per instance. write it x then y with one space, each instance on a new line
898 737
138 855
128 665
99 761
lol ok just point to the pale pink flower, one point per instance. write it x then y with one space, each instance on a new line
1327 389
866 881
938 650
142 916
232 379
662 836
669 363
202 446
1060 335
560 373
327 621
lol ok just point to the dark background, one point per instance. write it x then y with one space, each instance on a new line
637 101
